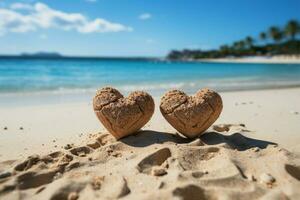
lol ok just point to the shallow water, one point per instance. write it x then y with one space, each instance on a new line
85 75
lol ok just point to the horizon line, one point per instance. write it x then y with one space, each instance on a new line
61 56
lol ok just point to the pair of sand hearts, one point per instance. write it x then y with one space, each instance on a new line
190 115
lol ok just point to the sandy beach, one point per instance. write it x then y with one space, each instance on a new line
280 59
252 151
187 100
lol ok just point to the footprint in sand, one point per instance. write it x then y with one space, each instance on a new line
155 159
191 192
191 158
81 151
294 171
88 186
101 140
35 179
36 171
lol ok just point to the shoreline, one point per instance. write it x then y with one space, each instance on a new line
255 60
40 98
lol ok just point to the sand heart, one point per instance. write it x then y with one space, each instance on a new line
122 116
191 115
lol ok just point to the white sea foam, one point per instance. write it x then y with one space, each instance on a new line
89 85
190 86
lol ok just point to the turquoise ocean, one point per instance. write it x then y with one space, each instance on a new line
69 76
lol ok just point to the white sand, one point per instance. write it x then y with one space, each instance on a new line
258 59
240 163
270 114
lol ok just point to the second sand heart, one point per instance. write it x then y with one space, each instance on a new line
122 116
191 115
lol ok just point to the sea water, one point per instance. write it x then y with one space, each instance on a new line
86 75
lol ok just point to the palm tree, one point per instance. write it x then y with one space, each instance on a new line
292 28
234 45
249 41
239 45
276 34
263 36
224 49
242 44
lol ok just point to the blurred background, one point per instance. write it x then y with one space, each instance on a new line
65 51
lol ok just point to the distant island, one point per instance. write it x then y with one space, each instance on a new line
42 55
55 55
273 42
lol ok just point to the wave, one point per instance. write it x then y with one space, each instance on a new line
229 84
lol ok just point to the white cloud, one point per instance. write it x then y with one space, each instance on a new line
145 16
41 16
21 6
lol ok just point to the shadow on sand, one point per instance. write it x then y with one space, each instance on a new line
235 141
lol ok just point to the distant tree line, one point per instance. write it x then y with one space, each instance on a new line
274 41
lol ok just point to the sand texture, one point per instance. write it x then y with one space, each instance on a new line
78 159
191 115
222 164
123 116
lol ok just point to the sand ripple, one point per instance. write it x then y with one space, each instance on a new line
157 165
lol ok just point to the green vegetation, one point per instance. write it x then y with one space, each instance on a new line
274 41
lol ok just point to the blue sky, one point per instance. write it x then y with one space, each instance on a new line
134 27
